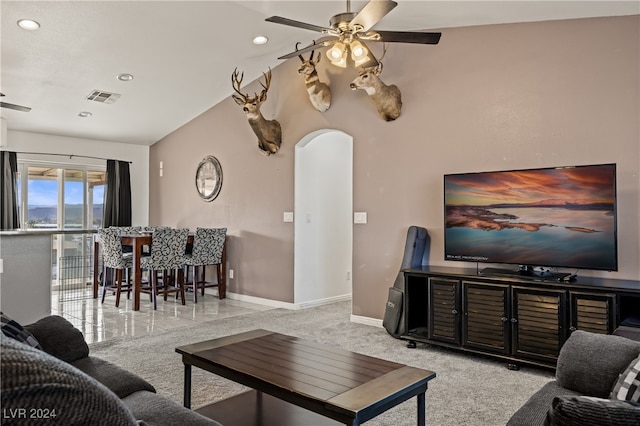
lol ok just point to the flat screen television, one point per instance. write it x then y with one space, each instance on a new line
556 217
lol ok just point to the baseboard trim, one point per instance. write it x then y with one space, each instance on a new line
366 320
287 305
296 306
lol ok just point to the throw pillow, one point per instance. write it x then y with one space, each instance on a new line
59 337
11 328
627 388
586 410
589 363
39 389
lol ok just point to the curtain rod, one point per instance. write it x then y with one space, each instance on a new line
70 156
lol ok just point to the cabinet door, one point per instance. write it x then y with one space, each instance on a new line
593 312
444 310
486 322
538 321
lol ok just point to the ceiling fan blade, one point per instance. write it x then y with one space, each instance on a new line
323 42
371 14
407 37
15 107
297 24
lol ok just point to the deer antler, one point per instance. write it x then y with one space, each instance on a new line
384 51
267 82
311 56
299 56
237 82
378 68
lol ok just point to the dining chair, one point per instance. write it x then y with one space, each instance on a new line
126 230
208 246
115 260
167 254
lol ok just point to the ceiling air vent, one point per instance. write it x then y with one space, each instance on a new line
103 97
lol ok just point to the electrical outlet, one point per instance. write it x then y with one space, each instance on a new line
230 274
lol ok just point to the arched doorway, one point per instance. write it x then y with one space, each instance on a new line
323 217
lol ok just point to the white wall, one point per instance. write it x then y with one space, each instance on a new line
3 132
138 155
323 206
25 282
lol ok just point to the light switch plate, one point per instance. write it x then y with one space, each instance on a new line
287 217
360 217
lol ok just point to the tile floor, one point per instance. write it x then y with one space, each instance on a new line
99 322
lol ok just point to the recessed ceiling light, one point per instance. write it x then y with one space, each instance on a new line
125 77
260 40
28 24
84 114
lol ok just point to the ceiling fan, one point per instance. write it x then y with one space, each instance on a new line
13 106
349 30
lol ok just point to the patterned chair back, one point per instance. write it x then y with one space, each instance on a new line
167 249
148 228
207 246
112 249
126 230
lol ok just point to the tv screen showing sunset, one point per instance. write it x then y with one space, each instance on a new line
560 217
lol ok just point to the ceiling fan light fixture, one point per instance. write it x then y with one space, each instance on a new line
337 54
28 24
359 53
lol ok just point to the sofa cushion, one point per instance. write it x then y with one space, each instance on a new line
38 388
12 328
155 409
627 388
590 363
534 411
587 410
118 380
59 337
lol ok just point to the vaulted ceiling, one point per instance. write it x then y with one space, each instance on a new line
181 53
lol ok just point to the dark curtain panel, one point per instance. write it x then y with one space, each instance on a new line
9 190
117 203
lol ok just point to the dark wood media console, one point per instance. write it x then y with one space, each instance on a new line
518 319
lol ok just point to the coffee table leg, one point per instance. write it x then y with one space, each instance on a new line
187 386
421 410
258 405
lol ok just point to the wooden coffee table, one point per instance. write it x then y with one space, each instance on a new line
344 386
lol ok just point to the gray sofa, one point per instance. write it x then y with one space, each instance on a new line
589 366
55 381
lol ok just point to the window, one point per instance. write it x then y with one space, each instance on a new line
59 196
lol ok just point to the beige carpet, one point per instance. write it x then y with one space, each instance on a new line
468 389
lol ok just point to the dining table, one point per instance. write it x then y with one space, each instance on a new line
138 241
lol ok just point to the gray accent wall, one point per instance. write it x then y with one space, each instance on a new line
486 98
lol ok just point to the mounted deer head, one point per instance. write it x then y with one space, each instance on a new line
319 92
387 98
268 131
